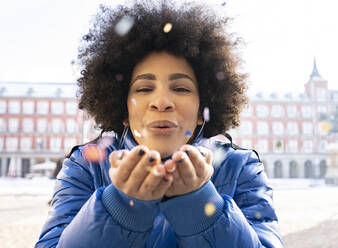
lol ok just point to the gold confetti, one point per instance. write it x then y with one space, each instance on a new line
167 27
258 215
325 126
209 209
150 169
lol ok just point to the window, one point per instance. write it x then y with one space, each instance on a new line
12 144
14 107
2 125
28 107
57 126
1 144
322 109
262 110
277 111
306 111
13 125
3 106
71 108
55 144
292 111
71 126
292 128
292 146
322 146
246 127
307 128
321 94
42 107
247 111
277 128
69 143
262 146
42 125
26 144
57 108
308 146
27 125
262 128
40 143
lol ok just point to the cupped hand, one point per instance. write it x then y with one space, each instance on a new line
139 173
191 168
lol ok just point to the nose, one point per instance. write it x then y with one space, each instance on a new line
162 101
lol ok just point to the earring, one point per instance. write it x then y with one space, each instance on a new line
123 136
201 129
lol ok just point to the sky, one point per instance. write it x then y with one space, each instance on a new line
39 39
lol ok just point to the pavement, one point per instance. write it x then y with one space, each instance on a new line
308 214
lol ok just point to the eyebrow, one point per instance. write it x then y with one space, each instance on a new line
173 76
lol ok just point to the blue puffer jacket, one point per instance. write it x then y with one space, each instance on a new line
88 211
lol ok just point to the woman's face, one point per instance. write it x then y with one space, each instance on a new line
163 102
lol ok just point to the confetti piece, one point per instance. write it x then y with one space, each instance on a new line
137 134
119 77
133 101
105 142
220 75
188 133
167 27
124 25
279 144
209 209
224 3
206 114
325 126
131 203
218 156
150 169
93 153
258 215
156 172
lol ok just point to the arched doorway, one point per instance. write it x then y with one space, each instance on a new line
293 169
308 169
322 168
267 172
277 169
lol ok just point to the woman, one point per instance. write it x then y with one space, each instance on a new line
163 84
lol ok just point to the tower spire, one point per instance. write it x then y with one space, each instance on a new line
315 72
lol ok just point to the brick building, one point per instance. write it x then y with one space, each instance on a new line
290 131
39 122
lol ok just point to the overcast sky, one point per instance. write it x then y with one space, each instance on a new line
39 39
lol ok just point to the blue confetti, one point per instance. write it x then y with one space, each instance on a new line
188 133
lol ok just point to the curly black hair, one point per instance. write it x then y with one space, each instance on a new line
198 34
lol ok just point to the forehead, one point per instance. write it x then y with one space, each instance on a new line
159 63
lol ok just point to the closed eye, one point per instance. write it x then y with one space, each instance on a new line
144 90
182 90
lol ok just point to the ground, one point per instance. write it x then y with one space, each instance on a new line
307 215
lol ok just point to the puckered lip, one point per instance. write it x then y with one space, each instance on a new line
162 124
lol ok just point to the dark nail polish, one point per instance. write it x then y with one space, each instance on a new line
151 159
203 154
164 179
180 160
141 152
187 152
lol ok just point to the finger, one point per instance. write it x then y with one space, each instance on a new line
184 167
128 163
143 168
152 180
163 186
170 166
206 153
197 159
116 156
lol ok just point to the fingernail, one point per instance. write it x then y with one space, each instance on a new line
172 169
164 179
157 172
151 159
141 152
120 154
180 160
203 153
187 152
